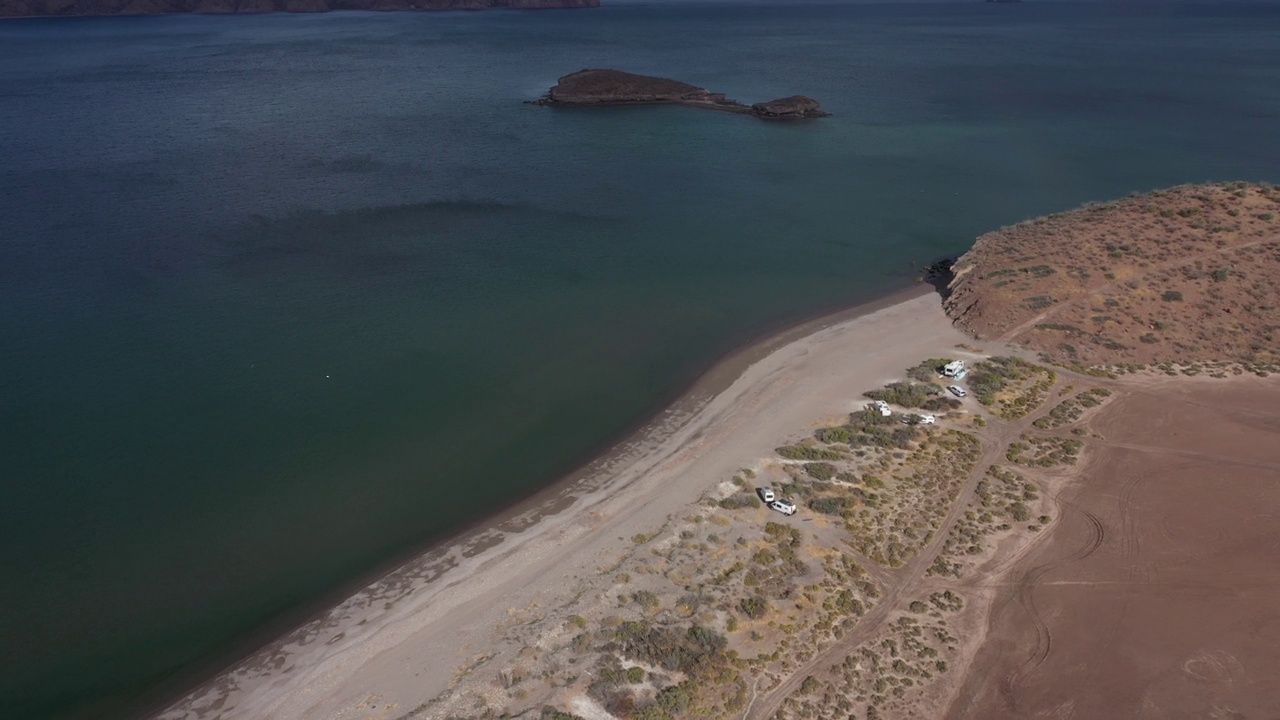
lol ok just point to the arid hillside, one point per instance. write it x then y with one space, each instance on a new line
1188 274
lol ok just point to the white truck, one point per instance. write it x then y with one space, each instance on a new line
881 407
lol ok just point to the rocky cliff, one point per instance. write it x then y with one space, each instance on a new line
56 8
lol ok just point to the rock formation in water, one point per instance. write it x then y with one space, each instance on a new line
587 88
57 8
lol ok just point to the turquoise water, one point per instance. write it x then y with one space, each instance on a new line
272 286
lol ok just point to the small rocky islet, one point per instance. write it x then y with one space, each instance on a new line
599 88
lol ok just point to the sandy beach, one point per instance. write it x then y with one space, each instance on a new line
400 644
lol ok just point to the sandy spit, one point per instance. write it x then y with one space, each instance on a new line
394 646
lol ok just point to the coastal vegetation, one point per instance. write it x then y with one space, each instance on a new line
734 600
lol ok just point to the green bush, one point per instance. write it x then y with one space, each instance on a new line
803 452
1171 296
754 606
740 500
635 675
905 394
693 651
645 598
820 470
830 505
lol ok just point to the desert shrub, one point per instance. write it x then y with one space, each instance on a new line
645 598
635 675
1020 512
740 500
940 404
691 651
754 606
1171 296
847 604
550 713
902 437
820 470
677 698
804 452
830 505
842 434
905 394
782 534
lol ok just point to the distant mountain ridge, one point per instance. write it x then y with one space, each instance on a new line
65 8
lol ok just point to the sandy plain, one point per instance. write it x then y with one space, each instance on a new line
1155 596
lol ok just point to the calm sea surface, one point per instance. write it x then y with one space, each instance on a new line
282 297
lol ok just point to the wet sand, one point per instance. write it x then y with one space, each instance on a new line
1155 594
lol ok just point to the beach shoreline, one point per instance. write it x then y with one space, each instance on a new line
458 557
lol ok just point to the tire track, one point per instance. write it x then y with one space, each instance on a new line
1027 585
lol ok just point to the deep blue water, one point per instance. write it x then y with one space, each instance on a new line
271 285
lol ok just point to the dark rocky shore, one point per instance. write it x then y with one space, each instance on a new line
56 8
592 88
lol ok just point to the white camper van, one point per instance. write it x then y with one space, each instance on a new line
955 369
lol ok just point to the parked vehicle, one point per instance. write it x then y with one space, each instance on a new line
784 507
881 407
919 420
766 494
957 390
954 369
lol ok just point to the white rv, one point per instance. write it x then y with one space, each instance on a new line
955 369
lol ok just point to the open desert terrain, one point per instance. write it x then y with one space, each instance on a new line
1155 596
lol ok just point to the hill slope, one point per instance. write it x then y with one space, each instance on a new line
1191 273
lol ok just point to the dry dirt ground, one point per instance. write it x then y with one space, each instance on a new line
1155 597
1191 273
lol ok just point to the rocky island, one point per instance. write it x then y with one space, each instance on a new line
69 8
588 88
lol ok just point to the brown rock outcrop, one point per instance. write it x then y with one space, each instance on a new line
789 108
597 87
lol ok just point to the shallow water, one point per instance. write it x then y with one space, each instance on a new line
285 296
